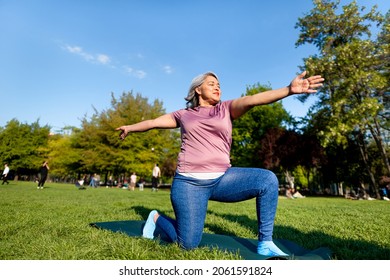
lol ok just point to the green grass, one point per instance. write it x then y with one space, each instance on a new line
53 223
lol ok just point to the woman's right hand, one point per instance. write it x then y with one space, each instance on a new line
123 131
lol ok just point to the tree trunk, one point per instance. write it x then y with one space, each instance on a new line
340 188
364 154
376 133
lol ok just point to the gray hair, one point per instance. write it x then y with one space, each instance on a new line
192 98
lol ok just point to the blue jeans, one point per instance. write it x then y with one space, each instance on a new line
190 197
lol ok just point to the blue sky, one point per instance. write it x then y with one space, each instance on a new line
61 59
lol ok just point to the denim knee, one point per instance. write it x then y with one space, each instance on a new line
273 180
189 244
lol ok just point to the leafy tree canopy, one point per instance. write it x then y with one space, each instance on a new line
24 146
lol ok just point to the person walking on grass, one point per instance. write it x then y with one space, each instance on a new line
92 181
43 172
4 176
156 173
204 171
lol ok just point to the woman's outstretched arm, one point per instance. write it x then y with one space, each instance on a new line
164 121
299 85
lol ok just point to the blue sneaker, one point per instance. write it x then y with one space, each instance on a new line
269 249
150 226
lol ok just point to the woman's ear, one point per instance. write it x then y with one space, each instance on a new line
197 90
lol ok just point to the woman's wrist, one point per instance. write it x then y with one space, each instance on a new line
289 92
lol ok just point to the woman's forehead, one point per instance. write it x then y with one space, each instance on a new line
211 78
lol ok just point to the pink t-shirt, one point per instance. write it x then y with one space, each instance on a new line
206 138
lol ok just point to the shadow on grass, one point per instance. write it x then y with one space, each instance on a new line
142 211
343 249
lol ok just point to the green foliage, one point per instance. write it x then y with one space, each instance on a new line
326 29
351 106
65 158
349 61
24 146
251 127
302 177
103 151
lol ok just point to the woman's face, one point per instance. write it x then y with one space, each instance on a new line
209 92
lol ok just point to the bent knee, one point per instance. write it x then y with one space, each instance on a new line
273 180
268 177
189 244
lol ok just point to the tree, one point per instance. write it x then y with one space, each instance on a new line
103 151
284 150
24 146
355 72
65 156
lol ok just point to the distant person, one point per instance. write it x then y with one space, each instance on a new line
297 194
204 171
92 182
141 184
289 192
110 182
384 193
5 174
44 171
133 181
80 184
156 173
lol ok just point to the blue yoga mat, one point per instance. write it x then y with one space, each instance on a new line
245 247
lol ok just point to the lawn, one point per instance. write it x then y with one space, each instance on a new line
53 223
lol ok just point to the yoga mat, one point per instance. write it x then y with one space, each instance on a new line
245 247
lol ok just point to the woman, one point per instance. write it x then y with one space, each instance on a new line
203 169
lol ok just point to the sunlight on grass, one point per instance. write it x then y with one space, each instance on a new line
53 223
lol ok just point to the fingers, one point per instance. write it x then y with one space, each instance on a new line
315 79
314 86
313 83
123 133
312 79
303 74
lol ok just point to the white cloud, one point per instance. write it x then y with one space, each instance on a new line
140 74
74 49
168 69
103 59
106 60
99 58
